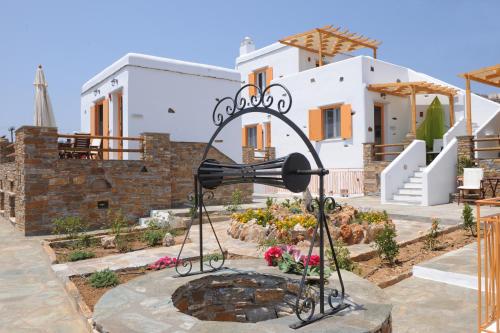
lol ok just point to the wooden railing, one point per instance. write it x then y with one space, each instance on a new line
380 153
100 151
488 265
488 139
261 154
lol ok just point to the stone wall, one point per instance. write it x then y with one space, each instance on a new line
248 154
186 157
372 170
46 187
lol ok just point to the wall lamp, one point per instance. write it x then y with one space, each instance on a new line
114 82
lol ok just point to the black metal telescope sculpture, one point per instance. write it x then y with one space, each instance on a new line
292 172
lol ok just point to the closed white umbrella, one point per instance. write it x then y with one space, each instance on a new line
43 107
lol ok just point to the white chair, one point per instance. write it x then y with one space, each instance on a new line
97 145
472 182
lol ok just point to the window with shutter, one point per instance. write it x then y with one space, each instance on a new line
251 80
346 121
260 141
316 124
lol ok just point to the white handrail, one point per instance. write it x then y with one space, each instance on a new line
460 128
403 166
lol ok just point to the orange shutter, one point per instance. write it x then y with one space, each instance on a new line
244 138
105 127
268 134
269 76
259 137
345 121
251 80
316 124
93 123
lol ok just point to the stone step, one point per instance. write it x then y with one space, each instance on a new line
413 185
421 169
418 174
408 198
406 191
415 180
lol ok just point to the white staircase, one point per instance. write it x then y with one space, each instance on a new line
412 190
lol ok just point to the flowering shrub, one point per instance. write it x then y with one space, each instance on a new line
162 263
289 222
373 216
289 260
273 255
262 217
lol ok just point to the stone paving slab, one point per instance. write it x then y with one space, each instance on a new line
458 268
32 299
432 307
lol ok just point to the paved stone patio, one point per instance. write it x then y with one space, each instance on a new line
32 299
144 305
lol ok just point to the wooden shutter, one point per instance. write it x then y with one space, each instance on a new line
268 134
93 121
345 121
316 132
251 80
259 137
269 76
105 127
244 137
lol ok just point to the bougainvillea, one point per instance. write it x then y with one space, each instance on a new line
162 263
289 260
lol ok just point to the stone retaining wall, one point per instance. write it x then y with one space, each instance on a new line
47 187
372 170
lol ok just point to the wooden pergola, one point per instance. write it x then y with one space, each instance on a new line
329 41
487 75
405 89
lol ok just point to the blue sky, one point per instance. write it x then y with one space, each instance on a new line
74 39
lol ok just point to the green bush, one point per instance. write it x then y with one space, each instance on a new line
431 240
464 162
343 257
270 202
469 223
80 255
236 201
373 216
72 226
103 279
386 245
153 236
116 222
122 244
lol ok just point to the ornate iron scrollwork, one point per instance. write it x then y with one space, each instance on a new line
262 98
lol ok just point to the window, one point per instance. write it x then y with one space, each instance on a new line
261 79
252 136
331 118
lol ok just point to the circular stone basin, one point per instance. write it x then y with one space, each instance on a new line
246 297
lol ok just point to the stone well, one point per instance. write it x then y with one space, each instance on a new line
248 296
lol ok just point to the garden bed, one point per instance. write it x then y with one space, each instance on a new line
63 248
412 254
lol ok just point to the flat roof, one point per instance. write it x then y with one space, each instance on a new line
166 64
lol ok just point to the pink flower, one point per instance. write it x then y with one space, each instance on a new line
272 255
163 263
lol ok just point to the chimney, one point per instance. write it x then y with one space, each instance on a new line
246 46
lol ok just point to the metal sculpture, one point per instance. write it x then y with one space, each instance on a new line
292 172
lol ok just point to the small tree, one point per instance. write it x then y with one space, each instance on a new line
72 226
386 245
236 201
469 221
431 240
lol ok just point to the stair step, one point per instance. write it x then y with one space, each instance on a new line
407 198
416 180
413 185
422 169
418 174
405 191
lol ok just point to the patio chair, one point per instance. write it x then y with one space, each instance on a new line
81 142
472 182
97 145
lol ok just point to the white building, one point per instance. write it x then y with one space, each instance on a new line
331 103
141 93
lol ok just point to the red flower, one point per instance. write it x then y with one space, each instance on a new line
272 255
313 261
163 263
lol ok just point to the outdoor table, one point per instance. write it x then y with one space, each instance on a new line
493 183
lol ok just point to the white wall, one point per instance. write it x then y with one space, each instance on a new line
439 178
149 92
